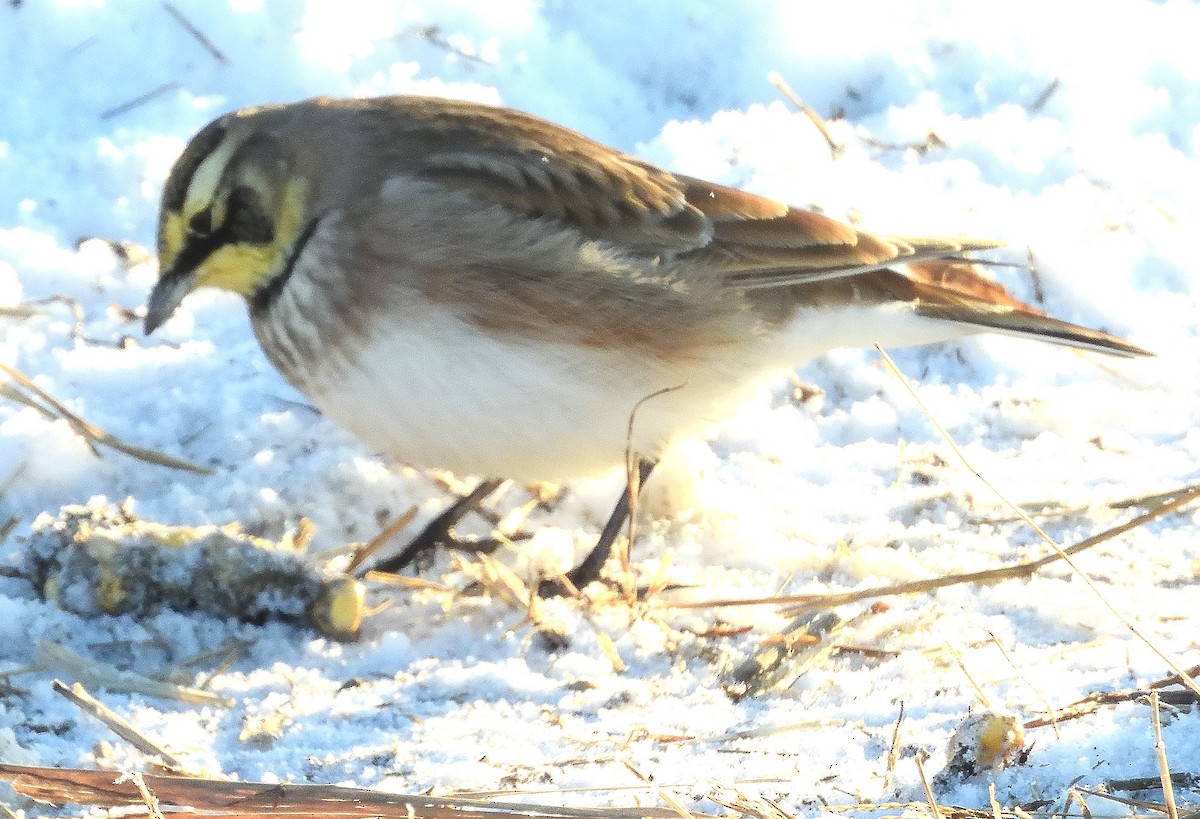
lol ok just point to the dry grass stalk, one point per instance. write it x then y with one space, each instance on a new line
835 150
103 675
199 35
779 662
933 805
142 99
1137 804
390 531
414 583
984 700
1160 754
894 748
665 796
1094 702
221 798
1063 554
633 488
148 798
1049 709
93 435
746 804
810 602
85 702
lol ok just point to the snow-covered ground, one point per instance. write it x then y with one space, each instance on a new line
1075 140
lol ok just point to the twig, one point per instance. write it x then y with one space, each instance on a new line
933 805
835 150
390 531
932 141
94 435
148 798
1145 783
94 787
984 700
1037 691
1093 702
85 702
1062 553
1134 803
1174 679
125 107
807 602
191 29
1160 753
633 487
103 675
1046 94
894 748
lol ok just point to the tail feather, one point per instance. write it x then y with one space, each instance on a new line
955 291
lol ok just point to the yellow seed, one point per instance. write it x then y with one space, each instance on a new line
338 610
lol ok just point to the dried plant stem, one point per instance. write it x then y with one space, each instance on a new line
933 805
199 35
260 799
148 798
103 675
93 435
85 702
1037 691
1160 753
817 120
1062 553
390 531
807 602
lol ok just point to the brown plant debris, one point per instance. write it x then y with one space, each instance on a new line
781 660
21 389
60 786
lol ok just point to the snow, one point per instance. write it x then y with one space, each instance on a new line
1075 143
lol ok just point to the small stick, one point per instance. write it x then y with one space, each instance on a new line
984 699
1112 797
1160 753
94 435
191 29
894 748
85 702
1145 783
390 531
937 813
806 602
149 798
1174 679
782 86
125 107
109 676
633 485
997 812
1046 94
1037 691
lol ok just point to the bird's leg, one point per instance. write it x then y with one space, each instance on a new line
437 531
589 569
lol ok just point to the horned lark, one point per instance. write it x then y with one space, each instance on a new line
473 288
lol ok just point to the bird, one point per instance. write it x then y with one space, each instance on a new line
473 288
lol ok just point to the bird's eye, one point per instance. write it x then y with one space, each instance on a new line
201 223
246 220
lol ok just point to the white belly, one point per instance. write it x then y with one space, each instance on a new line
435 391
440 393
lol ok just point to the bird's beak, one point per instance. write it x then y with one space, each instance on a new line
175 283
